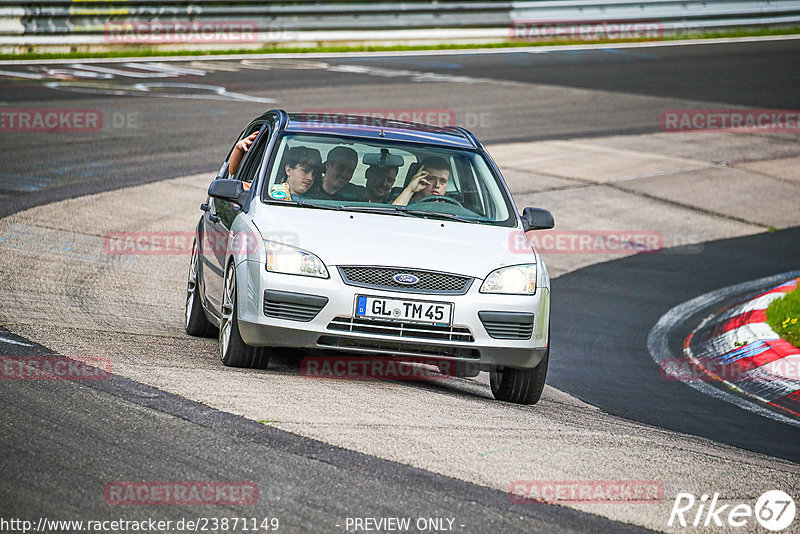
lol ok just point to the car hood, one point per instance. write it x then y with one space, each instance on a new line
352 238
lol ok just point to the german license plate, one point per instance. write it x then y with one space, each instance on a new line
409 311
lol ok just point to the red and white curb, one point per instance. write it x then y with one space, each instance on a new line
738 348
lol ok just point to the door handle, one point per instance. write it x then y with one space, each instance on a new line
213 218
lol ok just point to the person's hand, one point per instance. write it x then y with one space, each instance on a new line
244 144
418 182
237 155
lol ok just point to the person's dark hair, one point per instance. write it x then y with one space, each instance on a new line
342 152
301 155
435 162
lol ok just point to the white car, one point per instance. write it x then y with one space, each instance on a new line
377 238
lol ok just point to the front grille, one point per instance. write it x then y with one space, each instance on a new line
292 306
393 328
507 325
396 347
430 282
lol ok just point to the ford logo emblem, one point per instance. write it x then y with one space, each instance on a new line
405 279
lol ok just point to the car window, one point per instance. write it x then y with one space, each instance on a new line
253 157
472 193
223 170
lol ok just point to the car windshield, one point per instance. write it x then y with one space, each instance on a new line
391 178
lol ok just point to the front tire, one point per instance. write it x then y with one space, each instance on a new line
233 351
520 386
195 321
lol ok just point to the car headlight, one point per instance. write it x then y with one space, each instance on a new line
290 260
513 280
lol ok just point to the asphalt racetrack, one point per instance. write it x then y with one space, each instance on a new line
446 451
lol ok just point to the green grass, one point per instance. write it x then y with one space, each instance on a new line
144 51
783 316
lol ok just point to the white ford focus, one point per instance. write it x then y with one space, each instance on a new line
371 237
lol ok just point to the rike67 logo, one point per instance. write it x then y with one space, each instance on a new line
774 510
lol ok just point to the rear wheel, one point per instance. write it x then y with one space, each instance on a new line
233 351
520 386
195 321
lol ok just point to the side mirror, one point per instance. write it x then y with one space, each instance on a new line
537 219
228 189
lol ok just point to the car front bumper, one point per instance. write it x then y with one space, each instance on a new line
331 328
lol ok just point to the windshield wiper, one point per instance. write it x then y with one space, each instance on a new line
404 211
434 214
303 204
391 210
388 210
394 210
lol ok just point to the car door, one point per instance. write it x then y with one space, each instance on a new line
219 217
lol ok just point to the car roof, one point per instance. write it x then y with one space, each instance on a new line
378 129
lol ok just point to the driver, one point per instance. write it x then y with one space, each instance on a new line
430 179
